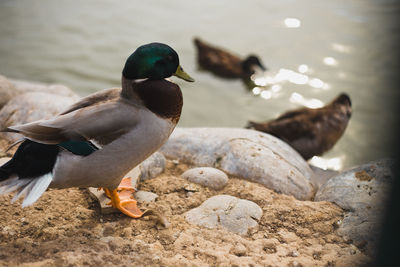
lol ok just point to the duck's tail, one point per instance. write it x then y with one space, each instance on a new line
262 127
31 189
251 125
28 173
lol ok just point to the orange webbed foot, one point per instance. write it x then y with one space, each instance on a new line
122 199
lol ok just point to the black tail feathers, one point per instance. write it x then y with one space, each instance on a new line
6 170
30 160
34 159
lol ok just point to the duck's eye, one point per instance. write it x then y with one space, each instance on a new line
170 58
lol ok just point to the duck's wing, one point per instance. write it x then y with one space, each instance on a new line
97 98
289 122
291 129
217 59
102 122
295 113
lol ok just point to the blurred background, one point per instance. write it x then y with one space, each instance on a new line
313 49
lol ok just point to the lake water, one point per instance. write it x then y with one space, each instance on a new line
314 50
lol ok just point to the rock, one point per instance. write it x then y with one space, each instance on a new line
191 188
30 107
10 88
206 176
239 250
145 196
103 201
248 154
361 192
7 91
234 214
134 174
24 102
152 166
321 176
57 89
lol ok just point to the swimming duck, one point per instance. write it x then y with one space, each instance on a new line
96 141
310 131
225 64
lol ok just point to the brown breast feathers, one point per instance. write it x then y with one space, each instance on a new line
162 97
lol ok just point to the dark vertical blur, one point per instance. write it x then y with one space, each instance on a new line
388 253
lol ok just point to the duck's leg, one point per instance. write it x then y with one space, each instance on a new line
122 199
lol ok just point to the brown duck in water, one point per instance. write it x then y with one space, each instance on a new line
225 64
310 131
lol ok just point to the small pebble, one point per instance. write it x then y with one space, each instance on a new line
206 176
239 250
294 253
145 196
191 188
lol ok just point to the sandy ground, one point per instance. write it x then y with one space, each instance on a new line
65 228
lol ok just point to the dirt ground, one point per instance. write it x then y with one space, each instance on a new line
65 228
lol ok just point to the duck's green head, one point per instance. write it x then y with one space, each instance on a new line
154 61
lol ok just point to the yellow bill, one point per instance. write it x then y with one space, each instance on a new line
183 75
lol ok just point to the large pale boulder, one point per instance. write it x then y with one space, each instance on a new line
23 102
29 107
244 153
10 88
29 86
362 192
7 91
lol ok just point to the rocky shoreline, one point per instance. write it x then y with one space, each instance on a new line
231 196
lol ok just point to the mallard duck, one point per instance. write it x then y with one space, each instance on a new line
225 64
96 141
310 131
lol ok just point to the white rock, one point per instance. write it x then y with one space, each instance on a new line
362 192
10 88
29 86
206 176
248 154
321 176
234 214
145 196
134 174
103 200
7 91
152 166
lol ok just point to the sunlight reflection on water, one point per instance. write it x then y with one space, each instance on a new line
303 68
330 61
341 48
292 23
307 102
335 164
274 83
